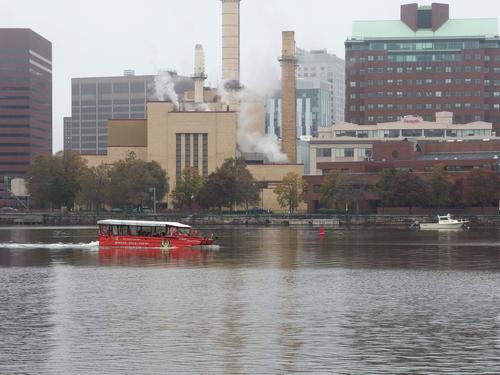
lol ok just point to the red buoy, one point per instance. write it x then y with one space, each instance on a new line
321 231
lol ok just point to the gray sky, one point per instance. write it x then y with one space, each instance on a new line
104 37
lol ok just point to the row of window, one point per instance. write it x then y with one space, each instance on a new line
396 133
347 152
109 88
427 45
420 94
419 82
428 69
428 106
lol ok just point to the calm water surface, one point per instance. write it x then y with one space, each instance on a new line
269 301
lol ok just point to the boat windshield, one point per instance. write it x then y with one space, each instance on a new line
142 230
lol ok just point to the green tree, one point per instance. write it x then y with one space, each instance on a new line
481 188
55 180
334 189
217 191
131 181
159 181
245 189
384 187
230 185
94 187
440 185
290 191
457 193
408 190
187 188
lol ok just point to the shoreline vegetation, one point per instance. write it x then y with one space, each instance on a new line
90 218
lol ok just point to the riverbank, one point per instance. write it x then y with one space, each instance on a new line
88 218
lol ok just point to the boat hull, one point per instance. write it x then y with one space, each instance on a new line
163 243
442 226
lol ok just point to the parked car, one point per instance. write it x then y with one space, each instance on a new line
7 209
259 211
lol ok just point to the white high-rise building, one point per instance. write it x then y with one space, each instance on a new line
319 64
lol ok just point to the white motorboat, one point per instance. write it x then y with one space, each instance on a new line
444 222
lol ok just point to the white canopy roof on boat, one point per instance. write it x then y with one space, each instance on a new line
141 223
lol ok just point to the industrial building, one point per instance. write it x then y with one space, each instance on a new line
204 128
25 100
421 64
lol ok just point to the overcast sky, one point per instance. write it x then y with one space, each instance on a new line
104 37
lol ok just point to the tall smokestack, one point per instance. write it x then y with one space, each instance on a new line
199 73
231 42
289 101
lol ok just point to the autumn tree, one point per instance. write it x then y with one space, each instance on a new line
290 191
408 190
55 180
186 188
440 185
481 188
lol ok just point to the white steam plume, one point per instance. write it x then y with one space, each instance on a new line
164 88
252 139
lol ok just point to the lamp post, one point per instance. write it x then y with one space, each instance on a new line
153 189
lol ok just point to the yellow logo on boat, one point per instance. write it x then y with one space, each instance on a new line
165 245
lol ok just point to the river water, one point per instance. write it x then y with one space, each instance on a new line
267 301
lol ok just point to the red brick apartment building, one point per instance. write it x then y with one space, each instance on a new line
422 64
25 100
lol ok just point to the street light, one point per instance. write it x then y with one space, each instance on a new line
153 189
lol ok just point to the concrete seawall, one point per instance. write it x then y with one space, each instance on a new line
85 218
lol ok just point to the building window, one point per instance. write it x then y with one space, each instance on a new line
391 133
411 132
187 150
204 150
324 152
178 159
434 133
195 152
438 94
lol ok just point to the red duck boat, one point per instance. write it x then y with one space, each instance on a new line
149 234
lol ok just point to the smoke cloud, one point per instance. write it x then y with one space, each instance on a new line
251 136
164 87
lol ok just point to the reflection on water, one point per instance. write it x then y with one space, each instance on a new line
270 300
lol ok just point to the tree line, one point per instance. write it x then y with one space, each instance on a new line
404 188
64 179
